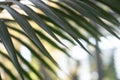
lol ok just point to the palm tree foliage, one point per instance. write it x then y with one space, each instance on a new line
55 22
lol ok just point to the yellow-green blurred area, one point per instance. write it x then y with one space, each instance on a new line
102 65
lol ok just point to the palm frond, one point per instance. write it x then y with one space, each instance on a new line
72 20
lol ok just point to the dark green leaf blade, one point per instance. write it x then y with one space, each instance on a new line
80 20
113 4
34 16
95 10
90 16
0 77
79 35
29 66
6 40
106 15
59 20
46 9
40 34
34 53
8 72
55 28
29 31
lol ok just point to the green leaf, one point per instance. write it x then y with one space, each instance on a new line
11 75
40 34
113 4
85 14
97 11
57 20
6 56
34 53
26 63
55 28
52 16
79 20
29 31
26 74
91 16
9 72
6 40
0 77
34 16
51 42
100 12
75 30
30 66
